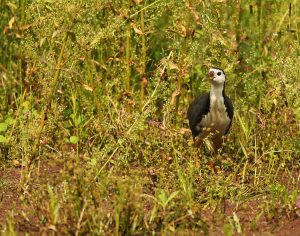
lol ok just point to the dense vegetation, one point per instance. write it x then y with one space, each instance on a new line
93 107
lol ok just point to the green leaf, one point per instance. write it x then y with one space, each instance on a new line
2 139
74 139
9 120
228 230
173 195
93 162
3 127
163 199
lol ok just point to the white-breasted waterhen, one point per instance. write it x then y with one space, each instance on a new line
212 113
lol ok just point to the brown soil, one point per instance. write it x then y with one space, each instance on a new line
10 201
9 198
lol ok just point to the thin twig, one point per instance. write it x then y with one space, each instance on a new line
80 218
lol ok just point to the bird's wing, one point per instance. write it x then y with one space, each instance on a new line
229 110
196 111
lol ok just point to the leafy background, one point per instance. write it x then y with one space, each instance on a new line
93 112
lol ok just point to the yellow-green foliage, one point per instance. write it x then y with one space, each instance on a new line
115 124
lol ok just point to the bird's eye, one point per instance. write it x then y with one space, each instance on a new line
219 73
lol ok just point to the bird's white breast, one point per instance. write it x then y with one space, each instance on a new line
216 120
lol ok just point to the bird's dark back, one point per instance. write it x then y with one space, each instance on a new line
229 109
198 108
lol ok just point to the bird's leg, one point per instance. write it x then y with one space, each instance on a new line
197 142
212 167
217 144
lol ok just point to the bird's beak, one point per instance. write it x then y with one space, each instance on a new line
211 74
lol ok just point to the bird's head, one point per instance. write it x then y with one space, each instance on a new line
216 75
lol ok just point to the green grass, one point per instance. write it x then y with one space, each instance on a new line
93 104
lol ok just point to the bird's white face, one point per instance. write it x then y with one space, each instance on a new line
217 76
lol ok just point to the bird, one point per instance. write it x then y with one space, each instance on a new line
211 113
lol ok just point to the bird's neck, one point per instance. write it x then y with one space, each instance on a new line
217 90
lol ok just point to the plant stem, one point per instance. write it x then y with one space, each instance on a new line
25 173
143 56
127 55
